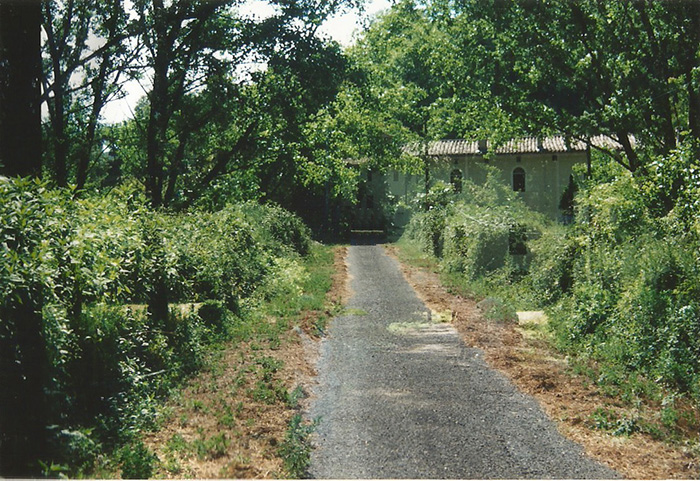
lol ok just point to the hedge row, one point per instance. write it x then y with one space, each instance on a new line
104 304
627 288
480 233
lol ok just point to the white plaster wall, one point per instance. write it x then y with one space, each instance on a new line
545 181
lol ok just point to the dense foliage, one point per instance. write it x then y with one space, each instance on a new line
126 300
621 284
108 299
630 297
474 69
228 109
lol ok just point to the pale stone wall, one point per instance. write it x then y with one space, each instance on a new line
545 178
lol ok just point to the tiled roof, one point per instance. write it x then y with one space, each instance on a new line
453 147
557 143
526 145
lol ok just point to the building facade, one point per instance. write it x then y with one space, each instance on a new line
539 169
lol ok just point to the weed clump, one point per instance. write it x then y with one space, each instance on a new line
295 450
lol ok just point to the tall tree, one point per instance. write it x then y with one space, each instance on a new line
401 58
184 42
20 87
585 68
197 55
87 52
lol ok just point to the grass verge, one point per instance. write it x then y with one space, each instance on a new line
240 416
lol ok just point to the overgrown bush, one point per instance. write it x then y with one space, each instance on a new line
137 461
633 285
279 228
427 230
97 317
478 233
621 284
476 240
216 255
551 272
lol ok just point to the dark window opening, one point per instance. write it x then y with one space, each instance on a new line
519 179
566 203
456 181
517 240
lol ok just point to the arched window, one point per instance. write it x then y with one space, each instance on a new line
519 179
456 181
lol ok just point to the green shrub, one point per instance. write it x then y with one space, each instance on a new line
612 212
481 238
477 240
679 359
33 222
296 447
426 229
190 339
551 267
279 228
80 350
216 255
473 238
137 461
286 280
80 447
592 307
497 310
634 285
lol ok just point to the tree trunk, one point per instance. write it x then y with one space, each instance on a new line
22 353
662 101
60 142
89 139
693 92
23 369
632 157
20 87
154 141
175 168
158 117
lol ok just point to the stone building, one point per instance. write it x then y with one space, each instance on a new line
538 169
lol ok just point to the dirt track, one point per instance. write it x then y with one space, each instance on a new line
401 396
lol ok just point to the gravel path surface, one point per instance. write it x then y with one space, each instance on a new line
401 396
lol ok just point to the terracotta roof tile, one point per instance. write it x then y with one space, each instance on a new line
525 145
453 147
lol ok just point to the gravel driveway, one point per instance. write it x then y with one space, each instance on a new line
401 396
